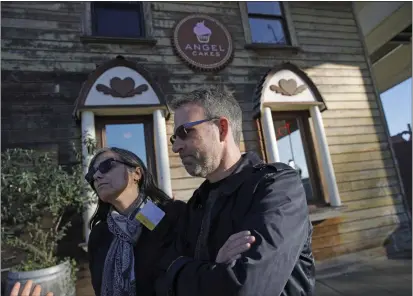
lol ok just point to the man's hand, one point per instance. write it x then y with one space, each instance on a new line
235 245
26 290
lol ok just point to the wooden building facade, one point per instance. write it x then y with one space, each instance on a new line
72 70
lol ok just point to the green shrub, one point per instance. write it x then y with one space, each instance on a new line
36 194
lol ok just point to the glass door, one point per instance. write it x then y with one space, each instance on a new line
134 134
295 149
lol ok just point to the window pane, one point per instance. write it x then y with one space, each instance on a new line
261 7
117 22
267 31
127 136
291 150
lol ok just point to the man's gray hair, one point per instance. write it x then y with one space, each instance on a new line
216 102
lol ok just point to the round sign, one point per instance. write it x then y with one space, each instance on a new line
203 42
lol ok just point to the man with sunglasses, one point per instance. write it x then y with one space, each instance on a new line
263 206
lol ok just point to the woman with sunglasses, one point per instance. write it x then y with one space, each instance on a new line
122 251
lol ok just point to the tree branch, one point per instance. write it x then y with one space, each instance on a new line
58 223
30 247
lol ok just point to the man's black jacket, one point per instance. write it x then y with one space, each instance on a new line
267 199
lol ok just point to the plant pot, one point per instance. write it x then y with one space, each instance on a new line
56 279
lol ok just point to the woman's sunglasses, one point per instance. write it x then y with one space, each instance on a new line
183 130
104 167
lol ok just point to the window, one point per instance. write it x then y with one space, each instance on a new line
133 134
117 22
118 19
267 24
296 149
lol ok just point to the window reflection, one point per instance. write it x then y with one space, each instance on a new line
267 31
291 150
127 136
117 19
267 8
267 22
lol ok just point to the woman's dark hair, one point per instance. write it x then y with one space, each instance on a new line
146 183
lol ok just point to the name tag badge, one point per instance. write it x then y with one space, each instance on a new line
150 215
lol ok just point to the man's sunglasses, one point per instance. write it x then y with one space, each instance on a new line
104 167
183 130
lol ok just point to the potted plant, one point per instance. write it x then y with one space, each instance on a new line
37 195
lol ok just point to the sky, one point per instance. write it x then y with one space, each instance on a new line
397 105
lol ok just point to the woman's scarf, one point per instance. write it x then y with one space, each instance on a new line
119 269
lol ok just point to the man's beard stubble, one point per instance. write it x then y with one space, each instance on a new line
199 165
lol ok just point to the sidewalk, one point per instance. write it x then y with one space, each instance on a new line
377 277
380 277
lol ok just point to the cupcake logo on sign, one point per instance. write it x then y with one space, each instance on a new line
203 42
202 32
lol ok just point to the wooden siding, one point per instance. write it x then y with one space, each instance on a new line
45 63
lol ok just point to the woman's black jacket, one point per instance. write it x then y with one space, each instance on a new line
149 248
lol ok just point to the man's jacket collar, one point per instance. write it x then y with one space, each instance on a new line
244 167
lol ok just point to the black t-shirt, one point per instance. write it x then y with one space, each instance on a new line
207 187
